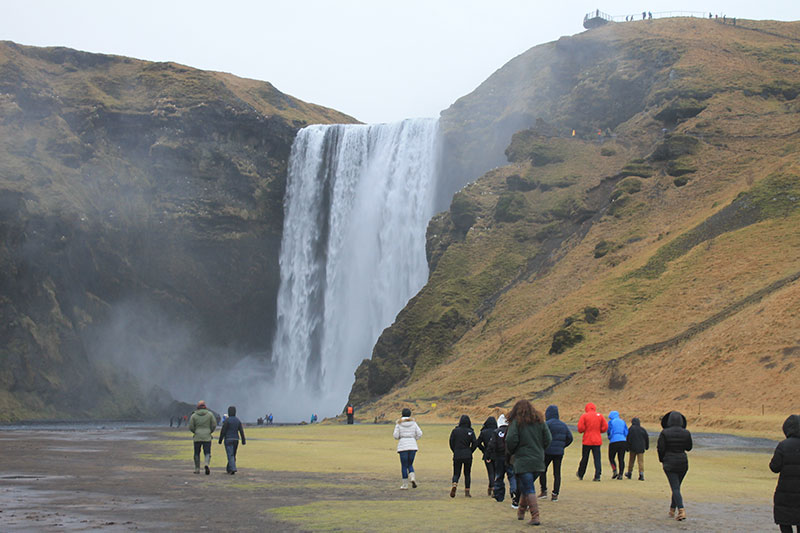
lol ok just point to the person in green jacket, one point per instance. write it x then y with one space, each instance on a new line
202 424
527 439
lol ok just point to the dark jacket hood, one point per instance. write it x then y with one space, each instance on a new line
232 411
673 418
490 423
590 408
551 412
635 421
464 421
791 427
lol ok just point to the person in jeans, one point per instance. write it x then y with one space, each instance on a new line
462 444
562 437
202 424
231 429
786 462
673 443
617 443
592 424
638 443
502 466
527 439
407 433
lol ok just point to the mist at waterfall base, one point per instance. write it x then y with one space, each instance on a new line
358 201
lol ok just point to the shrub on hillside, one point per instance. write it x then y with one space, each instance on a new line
565 338
463 212
510 207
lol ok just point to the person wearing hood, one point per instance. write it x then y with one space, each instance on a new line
463 444
638 442
786 462
562 437
528 437
232 427
617 443
502 465
488 429
592 424
202 424
407 433
673 443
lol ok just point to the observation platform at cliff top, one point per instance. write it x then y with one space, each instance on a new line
597 18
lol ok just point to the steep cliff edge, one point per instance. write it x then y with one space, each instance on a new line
140 221
647 262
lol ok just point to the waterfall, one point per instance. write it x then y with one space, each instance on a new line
358 201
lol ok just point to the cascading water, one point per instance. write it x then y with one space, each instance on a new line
358 201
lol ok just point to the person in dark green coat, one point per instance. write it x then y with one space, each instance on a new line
202 424
527 439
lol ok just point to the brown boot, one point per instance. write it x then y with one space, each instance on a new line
466 493
672 512
681 514
523 506
453 490
533 505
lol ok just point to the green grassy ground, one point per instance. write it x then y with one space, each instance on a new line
351 475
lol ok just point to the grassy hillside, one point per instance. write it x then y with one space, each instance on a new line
649 262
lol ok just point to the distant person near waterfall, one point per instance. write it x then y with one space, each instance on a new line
202 424
786 462
673 443
407 433
232 428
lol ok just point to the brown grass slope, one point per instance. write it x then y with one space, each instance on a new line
641 270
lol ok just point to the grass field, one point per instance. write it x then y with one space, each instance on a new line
351 475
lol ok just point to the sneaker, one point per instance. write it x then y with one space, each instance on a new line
208 470
233 472
554 497
514 505
514 500
413 484
627 475
596 479
614 475
579 476
543 494
641 476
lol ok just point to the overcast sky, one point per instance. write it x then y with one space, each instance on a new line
379 61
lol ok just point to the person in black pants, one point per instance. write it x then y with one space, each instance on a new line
488 429
463 444
786 462
673 443
562 437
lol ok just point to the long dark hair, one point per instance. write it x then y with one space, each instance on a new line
525 413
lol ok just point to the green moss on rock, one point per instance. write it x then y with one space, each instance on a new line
510 207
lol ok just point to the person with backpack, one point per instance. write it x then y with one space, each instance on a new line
638 442
407 433
786 462
592 424
502 465
232 428
527 439
673 443
463 444
562 437
488 429
617 443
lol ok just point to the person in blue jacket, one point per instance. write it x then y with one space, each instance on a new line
618 443
562 437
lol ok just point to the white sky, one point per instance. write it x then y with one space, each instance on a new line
377 60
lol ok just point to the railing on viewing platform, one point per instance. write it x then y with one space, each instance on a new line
597 18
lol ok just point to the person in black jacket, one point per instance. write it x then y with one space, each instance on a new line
673 443
487 431
231 429
638 443
463 444
786 462
562 437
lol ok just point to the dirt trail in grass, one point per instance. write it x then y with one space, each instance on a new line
297 479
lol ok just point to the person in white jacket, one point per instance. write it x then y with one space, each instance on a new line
407 432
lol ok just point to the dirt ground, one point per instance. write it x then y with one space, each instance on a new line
126 480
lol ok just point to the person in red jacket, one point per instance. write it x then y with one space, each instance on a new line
592 424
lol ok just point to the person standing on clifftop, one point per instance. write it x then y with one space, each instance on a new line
786 462
202 424
231 429
592 424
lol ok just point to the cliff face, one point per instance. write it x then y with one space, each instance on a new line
648 262
140 214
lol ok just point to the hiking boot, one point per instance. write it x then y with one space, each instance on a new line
627 475
404 484
554 497
671 512
453 490
641 476
543 494
412 477
681 514
466 493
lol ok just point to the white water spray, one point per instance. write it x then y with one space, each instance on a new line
358 201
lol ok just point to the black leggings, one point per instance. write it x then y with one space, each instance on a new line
490 471
467 464
556 460
617 450
675 479
598 468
